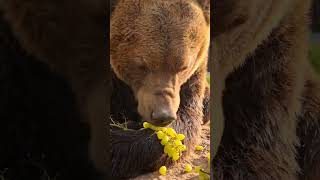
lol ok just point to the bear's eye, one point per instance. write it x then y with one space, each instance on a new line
142 68
183 68
141 65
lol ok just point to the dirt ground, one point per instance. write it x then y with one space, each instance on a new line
198 158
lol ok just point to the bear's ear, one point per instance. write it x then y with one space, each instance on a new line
205 5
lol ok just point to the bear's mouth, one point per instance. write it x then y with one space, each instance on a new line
161 124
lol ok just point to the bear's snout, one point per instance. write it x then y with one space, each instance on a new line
159 98
157 108
163 116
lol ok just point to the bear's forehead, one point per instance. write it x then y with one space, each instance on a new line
149 20
170 14
168 24
143 13
161 33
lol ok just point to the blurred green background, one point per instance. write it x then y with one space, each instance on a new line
314 55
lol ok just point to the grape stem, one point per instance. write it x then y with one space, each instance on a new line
204 172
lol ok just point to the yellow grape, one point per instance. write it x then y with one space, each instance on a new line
167 147
188 168
197 169
170 152
160 134
182 148
180 137
177 142
146 125
155 128
203 176
169 139
199 148
175 156
152 127
164 129
208 156
164 140
171 132
163 170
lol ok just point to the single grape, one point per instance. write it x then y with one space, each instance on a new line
199 148
197 169
182 148
171 132
203 176
180 137
170 152
175 156
146 125
188 168
177 142
160 134
164 140
163 170
167 147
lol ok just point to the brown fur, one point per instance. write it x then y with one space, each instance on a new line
159 56
261 79
70 38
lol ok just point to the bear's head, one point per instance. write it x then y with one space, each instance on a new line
155 47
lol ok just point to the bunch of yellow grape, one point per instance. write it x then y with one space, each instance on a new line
171 141
173 147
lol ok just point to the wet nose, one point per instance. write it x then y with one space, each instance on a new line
163 116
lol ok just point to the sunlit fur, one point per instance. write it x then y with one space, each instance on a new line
267 90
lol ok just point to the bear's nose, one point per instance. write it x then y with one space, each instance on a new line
163 117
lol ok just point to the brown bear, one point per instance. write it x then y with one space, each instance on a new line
266 95
158 52
45 39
